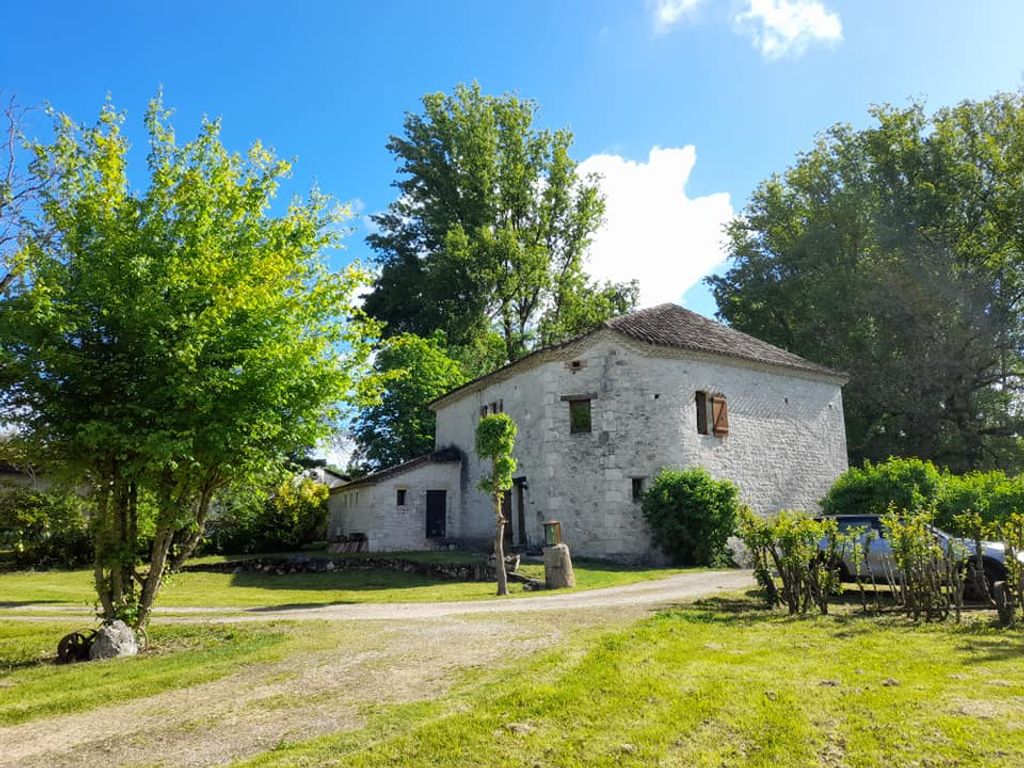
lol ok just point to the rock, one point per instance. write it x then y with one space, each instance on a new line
829 683
113 640
628 749
889 682
330 565
519 728
558 567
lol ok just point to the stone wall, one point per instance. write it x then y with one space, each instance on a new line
785 446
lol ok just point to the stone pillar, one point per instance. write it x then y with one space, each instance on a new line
558 567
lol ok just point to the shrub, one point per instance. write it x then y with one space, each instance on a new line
44 528
1010 594
925 571
692 515
296 514
991 496
906 484
787 545
248 518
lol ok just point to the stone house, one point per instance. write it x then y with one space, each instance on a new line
598 416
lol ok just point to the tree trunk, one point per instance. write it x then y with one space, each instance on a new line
499 547
160 562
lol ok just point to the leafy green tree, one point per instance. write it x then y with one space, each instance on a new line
398 426
495 441
895 253
44 528
170 340
489 231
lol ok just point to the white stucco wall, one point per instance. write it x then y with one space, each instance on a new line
785 447
372 508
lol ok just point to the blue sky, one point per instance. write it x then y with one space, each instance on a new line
682 105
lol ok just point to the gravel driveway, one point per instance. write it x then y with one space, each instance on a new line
674 589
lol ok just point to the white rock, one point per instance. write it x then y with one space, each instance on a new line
113 640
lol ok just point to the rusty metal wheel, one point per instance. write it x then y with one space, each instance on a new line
75 647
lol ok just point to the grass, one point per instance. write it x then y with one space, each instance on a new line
721 683
32 686
253 589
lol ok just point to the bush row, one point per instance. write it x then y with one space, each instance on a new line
913 485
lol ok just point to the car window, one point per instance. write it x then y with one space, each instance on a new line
848 523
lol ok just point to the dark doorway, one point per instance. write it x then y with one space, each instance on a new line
506 512
520 488
436 504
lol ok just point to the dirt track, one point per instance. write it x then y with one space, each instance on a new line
392 653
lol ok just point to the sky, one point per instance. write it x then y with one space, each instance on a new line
682 106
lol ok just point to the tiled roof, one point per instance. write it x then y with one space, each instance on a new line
669 325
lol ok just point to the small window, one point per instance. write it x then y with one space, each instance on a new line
579 416
498 406
702 413
638 488
400 497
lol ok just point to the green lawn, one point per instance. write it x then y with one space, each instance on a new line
722 683
251 589
31 686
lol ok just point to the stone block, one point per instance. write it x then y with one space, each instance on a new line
558 573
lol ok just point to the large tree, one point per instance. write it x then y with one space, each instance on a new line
18 190
489 231
168 340
396 425
896 253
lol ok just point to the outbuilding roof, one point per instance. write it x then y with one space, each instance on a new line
441 456
672 326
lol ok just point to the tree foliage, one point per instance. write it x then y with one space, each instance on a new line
896 253
874 488
45 529
170 340
396 425
489 232
495 441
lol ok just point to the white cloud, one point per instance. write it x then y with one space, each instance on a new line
653 232
668 13
780 28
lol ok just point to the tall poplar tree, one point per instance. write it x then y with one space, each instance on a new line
489 232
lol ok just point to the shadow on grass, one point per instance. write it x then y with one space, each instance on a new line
348 581
20 603
284 607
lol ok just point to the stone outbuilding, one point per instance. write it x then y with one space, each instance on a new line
598 416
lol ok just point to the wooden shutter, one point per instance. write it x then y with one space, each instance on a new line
719 416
